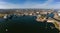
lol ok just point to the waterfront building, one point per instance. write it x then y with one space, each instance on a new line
58 13
31 14
5 17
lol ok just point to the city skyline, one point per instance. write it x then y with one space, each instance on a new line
41 4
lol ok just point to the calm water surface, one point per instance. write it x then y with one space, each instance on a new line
26 24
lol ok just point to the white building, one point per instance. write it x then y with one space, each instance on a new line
30 14
58 13
5 17
37 12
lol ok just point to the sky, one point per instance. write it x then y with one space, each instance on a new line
41 4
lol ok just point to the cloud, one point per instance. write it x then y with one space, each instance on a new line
27 4
6 5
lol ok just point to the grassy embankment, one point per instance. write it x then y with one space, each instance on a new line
56 25
1 15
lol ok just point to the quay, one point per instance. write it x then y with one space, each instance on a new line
56 23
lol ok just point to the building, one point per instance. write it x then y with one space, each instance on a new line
58 13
